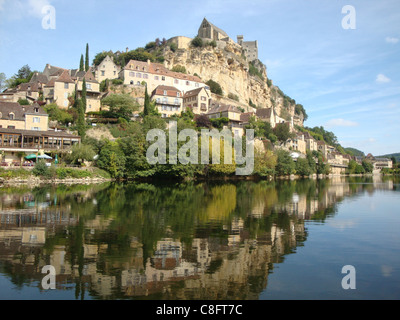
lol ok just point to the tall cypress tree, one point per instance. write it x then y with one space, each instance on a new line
83 96
87 58
146 110
80 125
81 64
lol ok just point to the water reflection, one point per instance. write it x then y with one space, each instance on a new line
163 241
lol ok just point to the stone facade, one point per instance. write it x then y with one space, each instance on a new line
197 100
168 100
107 69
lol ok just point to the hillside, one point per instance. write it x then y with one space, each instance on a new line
225 64
392 155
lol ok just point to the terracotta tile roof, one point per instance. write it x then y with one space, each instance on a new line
19 111
245 117
264 113
65 77
50 83
216 107
192 93
158 69
171 91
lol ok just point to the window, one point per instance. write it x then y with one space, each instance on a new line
145 76
131 74
36 120
11 116
203 98
163 78
165 92
66 85
115 72
187 83
65 103
131 82
65 95
138 75
36 110
35 128
176 101
102 73
156 78
203 107
11 127
176 81
89 86
165 100
178 94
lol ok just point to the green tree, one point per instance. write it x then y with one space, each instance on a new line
264 163
80 152
87 58
121 104
282 131
112 159
368 166
83 95
303 167
81 63
81 125
285 164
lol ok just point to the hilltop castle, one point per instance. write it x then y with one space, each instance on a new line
210 32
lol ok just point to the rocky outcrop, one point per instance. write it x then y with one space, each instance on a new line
226 65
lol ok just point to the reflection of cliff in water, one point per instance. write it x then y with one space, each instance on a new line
192 241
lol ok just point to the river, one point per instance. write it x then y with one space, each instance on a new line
241 240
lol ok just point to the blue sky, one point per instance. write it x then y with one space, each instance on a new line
347 79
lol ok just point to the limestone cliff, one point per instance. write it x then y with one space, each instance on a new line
226 65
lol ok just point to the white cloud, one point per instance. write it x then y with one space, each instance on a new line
341 123
381 78
392 40
36 6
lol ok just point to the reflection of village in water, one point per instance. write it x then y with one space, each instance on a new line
101 243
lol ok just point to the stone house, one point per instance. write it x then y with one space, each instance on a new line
93 93
58 89
30 117
107 69
197 100
156 74
168 100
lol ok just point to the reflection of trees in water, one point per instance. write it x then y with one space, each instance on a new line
227 236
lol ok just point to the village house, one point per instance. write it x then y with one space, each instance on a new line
58 89
93 93
168 100
107 69
379 163
197 100
29 117
297 144
219 110
269 115
311 143
155 74
24 130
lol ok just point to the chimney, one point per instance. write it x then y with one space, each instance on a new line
148 61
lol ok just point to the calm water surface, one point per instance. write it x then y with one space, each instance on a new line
242 240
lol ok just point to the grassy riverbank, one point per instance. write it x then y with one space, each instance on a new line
53 175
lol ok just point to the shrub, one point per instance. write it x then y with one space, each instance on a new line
197 42
117 81
41 169
214 87
179 68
